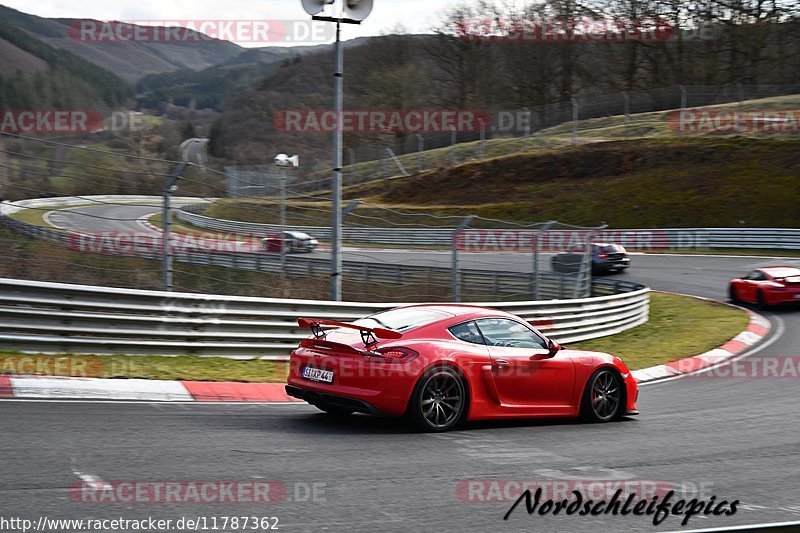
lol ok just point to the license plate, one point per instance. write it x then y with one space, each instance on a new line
316 374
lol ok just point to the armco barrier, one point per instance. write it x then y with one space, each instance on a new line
518 285
635 239
62 318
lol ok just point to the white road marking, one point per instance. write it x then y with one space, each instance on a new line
94 482
737 528
147 402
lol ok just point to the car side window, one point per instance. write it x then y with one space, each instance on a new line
756 276
467 332
508 333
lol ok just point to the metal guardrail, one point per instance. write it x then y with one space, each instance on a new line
44 317
502 284
635 239
399 236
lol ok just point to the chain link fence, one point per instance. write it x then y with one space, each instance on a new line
418 257
583 119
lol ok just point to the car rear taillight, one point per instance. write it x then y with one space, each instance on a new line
602 256
395 354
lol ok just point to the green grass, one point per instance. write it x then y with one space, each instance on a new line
34 217
643 125
679 326
191 368
656 183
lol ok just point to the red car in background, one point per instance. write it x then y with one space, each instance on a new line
440 365
767 286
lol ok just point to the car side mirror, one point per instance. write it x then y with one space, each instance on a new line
552 348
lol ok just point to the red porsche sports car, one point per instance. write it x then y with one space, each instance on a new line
443 364
767 286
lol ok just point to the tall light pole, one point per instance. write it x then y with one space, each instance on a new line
356 11
170 186
192 151
285 162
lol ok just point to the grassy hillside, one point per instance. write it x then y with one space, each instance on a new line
129 60
730 181
66 80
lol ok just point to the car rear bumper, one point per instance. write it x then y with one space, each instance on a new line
602 266
319 398
783 297
384 387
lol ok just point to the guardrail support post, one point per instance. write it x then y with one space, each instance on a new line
456 274
170 185
537 245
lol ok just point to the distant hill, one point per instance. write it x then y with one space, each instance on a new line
129 60
34 74
197 74
212 87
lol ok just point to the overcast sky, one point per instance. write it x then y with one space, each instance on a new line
418 16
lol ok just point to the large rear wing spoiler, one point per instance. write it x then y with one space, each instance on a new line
368 335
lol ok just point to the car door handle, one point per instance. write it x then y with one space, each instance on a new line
501 362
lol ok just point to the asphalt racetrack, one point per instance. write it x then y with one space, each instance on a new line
736 439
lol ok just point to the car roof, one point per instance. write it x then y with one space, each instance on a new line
460 310
780 271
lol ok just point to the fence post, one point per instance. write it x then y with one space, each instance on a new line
537 244
483 140
527 127
352 161
575 112
420 152
453 141
740 93
170 185
626 109
683 97
456 269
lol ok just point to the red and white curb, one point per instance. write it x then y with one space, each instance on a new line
758 328
39 387
140 389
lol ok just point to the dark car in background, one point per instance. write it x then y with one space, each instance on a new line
605 258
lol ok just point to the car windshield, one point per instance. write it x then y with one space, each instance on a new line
401 319
613 249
